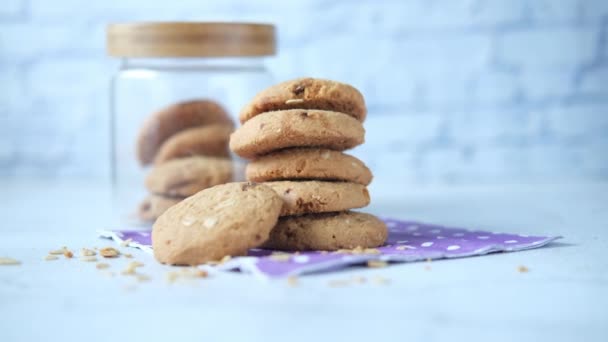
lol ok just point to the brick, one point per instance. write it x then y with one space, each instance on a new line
594 11
555 12
428 71
46 40
540 85
514 126
492 86
12 96
58 78
580 123
398 129
547 48
594 81
12 8
159 10
405 16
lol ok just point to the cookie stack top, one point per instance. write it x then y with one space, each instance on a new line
304 112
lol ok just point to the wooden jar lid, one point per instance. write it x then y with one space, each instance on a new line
190 39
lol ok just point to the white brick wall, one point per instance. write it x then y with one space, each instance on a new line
459 91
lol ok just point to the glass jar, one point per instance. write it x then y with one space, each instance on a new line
165 66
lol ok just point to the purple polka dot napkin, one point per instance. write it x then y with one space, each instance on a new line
407 241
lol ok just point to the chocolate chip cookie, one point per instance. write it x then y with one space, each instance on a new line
173 119
319 197
308 163
329 232
307 93
210 140
186 176
273 131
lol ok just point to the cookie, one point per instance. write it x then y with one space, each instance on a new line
187 176
329 232
319 197
273 131
224 220
154 205
308 163
307 93
168 121
211 140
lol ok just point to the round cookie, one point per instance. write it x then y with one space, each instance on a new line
329 232
319 197
308 163
273 131
227 219
186 176
154 205
307 93
210 140
170 120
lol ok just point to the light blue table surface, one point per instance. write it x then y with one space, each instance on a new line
563 297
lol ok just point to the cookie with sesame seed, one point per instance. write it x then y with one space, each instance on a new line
329 232
173 119
307 93
305 197
210 140
225 220
186 176
282 129
155 205
308 163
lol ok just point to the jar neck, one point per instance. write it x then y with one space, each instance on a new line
222 63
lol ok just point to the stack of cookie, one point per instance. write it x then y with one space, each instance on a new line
187 144
294 133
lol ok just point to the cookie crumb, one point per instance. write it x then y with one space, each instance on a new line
128 256
131 268
292 281
294 101
338 283
359 279
126 242
225 259
200 273
58 251
101 266
186 273
172 277
50 257
371 251
278 256
376 264
522 269
142 277
68 254
109 252
9 261
381 280
87 252
88 259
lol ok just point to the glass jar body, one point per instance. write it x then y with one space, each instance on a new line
143 87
